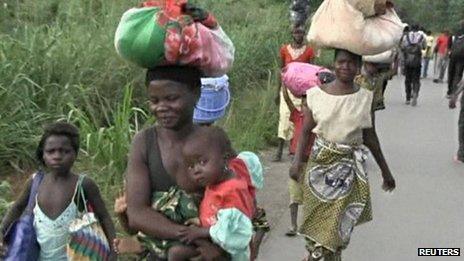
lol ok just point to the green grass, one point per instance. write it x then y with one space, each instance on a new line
57 62
4 201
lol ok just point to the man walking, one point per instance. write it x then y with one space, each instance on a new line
412 46
441 51
456 63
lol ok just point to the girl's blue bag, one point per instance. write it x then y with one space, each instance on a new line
20 237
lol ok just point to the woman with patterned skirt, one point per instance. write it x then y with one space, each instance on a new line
335 185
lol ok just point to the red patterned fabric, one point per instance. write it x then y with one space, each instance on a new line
296 117
286 57
192 37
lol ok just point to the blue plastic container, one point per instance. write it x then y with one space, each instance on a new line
214 99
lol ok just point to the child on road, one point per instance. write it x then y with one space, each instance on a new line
57 151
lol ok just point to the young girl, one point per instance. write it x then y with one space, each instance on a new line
296 117
56 201
228 204
295 187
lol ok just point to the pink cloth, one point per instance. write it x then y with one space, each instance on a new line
197 45
300 77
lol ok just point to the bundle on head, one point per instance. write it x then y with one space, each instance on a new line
342 24
174 32
299 12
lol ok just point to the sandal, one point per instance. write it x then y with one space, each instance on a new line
291 232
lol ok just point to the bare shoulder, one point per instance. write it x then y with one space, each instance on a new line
140 137
89 185
139 143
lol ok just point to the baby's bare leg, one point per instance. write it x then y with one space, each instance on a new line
127 245
181 253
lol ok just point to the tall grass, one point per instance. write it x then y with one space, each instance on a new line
4 200
57 62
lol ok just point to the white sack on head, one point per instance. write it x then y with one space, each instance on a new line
337 24
368 7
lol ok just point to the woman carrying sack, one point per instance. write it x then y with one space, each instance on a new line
336 193
297 51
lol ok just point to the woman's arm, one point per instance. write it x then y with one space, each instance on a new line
210 251
310 54
371 140
124 221
287 99
308 126
142 217
233 231
93 195
189 235
16 209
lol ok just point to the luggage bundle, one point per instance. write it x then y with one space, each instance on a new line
349 25
369 7
167 32
214 99
299 12
385 57
300 77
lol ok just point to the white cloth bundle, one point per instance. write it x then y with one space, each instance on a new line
368 7
337 24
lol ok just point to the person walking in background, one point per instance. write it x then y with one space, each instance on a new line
400 52
452 104
297 51
373 79
456 62
441 51
427 54
412 46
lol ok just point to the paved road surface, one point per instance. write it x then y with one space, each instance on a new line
426 209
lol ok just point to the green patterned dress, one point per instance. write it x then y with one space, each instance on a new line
336 194
177 206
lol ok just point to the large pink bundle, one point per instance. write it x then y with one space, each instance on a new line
300 77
